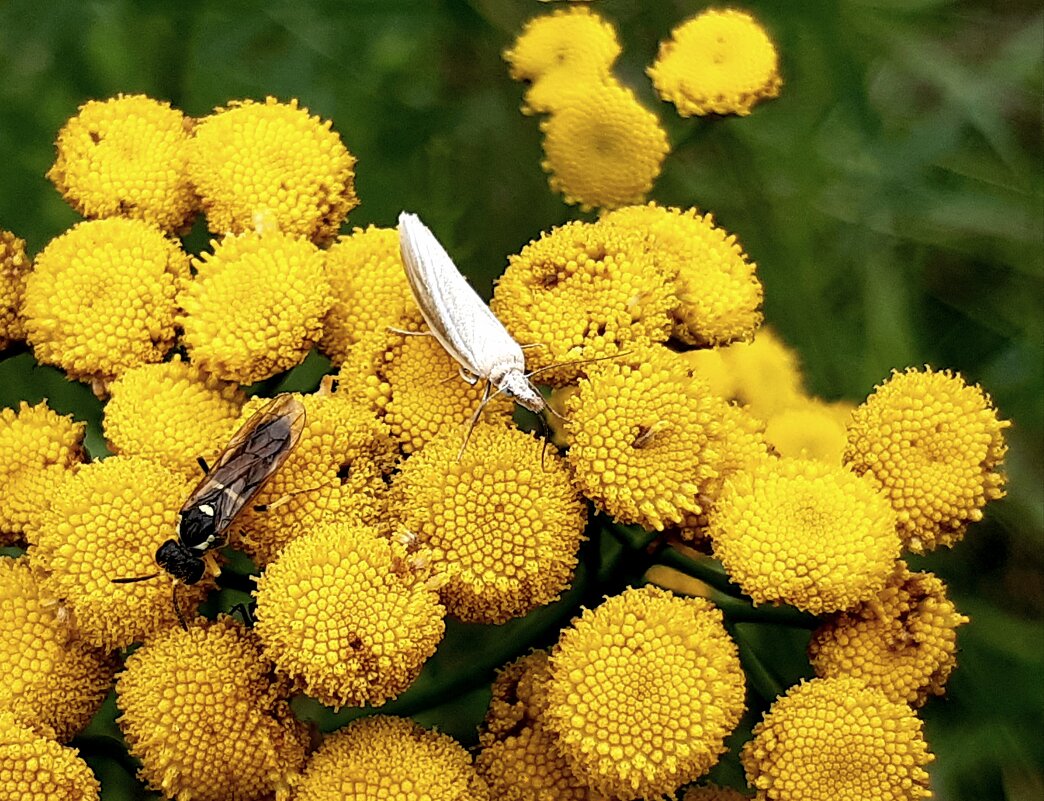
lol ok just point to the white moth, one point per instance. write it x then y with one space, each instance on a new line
460 320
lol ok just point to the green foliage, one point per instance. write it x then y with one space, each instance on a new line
891 197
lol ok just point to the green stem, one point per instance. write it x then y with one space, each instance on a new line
738 611
761 679
706 570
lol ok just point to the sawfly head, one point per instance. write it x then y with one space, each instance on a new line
183 564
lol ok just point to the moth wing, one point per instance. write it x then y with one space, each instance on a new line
459 319
253 455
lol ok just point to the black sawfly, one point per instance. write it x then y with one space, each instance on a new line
253 455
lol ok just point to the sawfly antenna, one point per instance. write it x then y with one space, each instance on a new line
136 578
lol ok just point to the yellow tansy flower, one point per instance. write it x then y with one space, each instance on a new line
560 88
902 641
271 165
36 768
718 290
36 445
569 39
14 270
710 366
106 522
584 291
766 374
830 739
712 792
504 523
205 717
390 759
172 412
101 297
604 149
644 437
519 756
804 533
643 692
53 682
933 445
126 157
369 288
718 62
337 472
811 429
415 386
255 306
350 616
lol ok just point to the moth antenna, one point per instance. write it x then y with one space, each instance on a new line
546 433
406 333
578 361
135 578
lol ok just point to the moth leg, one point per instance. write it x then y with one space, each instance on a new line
475 418
203 465
469 377
406 333
533 345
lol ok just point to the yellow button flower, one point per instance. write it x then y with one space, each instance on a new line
804 533
569 39
766 374
271 165
644 438
643 692
415 386
53 682
584 291
603 149
519 757
106 522
811 429
255 306
504 523
37 445
36 768
384 758
337 472
903 641
718 62
172 412
369 288
718 290
126 156
205 717
101 297
712 792
14 270
933 445
831 739
350 616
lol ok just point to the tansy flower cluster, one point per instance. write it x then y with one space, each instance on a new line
685 441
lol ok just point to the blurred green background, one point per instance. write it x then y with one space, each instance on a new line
892 198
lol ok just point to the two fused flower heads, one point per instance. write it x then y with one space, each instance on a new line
603 148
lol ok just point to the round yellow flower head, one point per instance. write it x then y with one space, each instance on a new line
383 758
804 533
52 681
349 615
766 374
273 165
415 387
101 297
255 306
37 445
336 472
718 290
369 288
36 768
812 429
563 88
519 757
203 714
644 438
933 445
644 690
709 365
903 641
604 148
718 62
837 740
584 291
567 39
106 522
172 412
14 270
126 157
712 792
502 522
